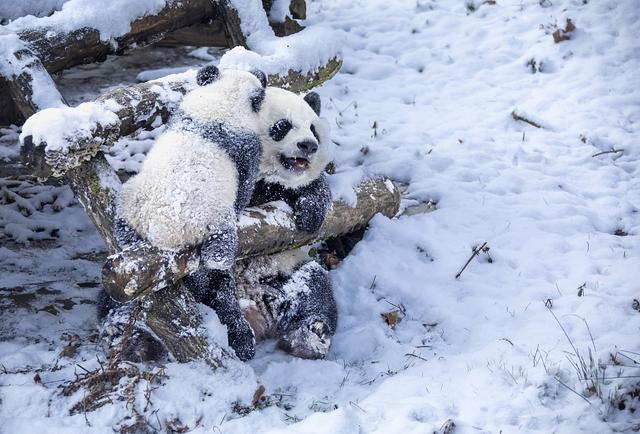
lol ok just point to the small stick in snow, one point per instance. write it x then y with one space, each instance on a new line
448 427
612 151
475 253
416 356
518 117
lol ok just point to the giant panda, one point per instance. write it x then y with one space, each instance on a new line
288 296
198 176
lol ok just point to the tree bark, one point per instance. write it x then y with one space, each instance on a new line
262 230
210 34
231 20
173 316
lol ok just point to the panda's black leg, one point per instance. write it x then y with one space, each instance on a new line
217 289
214 285
308 314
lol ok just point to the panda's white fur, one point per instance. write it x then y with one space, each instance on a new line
224 100
177 210
283 104
188 184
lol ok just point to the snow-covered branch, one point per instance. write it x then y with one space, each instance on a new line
262 230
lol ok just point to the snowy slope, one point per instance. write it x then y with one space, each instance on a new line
425 96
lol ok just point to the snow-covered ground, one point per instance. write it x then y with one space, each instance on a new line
426 96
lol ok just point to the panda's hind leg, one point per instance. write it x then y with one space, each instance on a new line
308 315
217 289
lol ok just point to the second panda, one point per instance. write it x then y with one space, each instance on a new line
288 296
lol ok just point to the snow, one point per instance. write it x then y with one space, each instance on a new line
440 81
279 10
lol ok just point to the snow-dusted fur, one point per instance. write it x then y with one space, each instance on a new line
189 182
282 104
288 296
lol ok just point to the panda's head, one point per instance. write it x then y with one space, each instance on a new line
228 96
295 140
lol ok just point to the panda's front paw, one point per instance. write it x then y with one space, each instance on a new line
242 340
307 217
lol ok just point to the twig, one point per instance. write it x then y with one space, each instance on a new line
506 340
475 253
579 394
518 117
357 406
612 151
416 356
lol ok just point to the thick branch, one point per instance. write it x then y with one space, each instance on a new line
262 231
62 50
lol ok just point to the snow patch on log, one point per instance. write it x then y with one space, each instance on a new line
280 10
67 128
277 213
306 51
17 64
71 135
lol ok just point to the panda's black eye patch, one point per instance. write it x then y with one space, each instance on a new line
280 129
315 133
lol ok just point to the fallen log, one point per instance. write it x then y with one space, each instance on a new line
213 33
61 50
261 231
45 49
133 107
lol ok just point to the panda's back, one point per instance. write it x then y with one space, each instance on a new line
187 185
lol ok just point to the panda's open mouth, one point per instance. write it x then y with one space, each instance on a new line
294 163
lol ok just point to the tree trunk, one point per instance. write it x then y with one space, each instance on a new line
173 316
170 314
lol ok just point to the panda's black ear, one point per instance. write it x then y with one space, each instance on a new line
207 75
261 76
313 99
